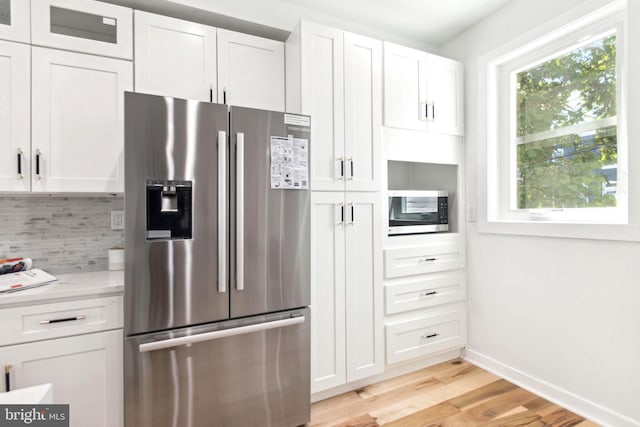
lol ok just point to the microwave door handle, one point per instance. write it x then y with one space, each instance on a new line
222 211
240 211
214 335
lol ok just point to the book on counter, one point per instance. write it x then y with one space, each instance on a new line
21 280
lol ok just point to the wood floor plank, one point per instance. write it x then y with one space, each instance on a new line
430 416
365 420
492 408
562 418
423 375
520 418
541 407
587 423
481 394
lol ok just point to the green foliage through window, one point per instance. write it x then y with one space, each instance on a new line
565 129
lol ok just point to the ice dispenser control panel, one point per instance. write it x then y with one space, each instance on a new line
169 210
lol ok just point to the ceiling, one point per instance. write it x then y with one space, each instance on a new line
429 21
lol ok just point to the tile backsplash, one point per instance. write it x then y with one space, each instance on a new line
60 234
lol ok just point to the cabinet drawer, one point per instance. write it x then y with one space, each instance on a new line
424 291
84 26
45 321
423 259
425 336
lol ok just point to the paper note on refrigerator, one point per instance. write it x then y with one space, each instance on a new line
289 163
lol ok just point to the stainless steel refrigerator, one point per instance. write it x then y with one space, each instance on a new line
217 265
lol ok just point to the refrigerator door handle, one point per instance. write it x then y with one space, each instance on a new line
222 211
240 211
209 336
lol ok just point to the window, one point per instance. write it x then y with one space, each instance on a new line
558 147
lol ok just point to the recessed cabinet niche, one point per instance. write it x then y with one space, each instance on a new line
403 176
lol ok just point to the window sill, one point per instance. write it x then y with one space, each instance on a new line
615 232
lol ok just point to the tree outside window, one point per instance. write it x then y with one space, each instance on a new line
565 129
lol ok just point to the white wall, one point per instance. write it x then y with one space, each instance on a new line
561 316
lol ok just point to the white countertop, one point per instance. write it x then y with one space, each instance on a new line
69 286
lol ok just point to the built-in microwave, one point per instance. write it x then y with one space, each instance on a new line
412 212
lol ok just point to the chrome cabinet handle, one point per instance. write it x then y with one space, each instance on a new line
341 214
38 154
350 160
424 111
222 211
64 319
352 214
426 337
240 211
427 259
7 377
341 160
20 163
427 293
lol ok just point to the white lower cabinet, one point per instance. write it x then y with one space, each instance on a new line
425 292
85 370
426 335
76 345
346 297
78 121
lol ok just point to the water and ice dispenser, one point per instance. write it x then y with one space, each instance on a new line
169 210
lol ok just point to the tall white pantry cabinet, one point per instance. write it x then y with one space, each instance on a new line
336 77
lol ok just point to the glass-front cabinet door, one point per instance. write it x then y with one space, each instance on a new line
14 20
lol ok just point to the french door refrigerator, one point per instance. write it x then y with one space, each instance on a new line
217 265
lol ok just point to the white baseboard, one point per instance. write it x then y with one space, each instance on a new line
590 410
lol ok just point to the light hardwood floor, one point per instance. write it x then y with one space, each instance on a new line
450 394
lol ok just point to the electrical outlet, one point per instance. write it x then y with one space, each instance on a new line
471 214
117 220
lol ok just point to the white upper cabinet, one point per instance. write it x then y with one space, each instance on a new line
14 20
250 71
84 26
444 95
336 78
15 143
422 91
363 113
175 57
78 121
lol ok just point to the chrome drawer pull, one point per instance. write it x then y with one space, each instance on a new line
426 337
426 294
64 319
427 259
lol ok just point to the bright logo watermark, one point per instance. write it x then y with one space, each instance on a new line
34 415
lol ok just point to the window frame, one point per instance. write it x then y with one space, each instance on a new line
501 112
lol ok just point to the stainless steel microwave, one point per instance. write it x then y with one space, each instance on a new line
412 212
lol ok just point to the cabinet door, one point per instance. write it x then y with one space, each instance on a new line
323 99
250 71
363 115
85 371
444 95
78 121
15 141
327 291
404 87
14 20
363 308
84 26
175 58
